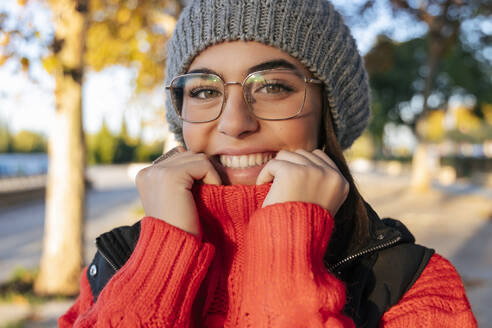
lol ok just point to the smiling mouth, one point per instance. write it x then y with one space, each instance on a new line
245 161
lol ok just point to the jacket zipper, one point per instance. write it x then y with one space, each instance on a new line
107 260
366 251
331 268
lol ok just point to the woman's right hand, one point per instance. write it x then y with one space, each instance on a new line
165 188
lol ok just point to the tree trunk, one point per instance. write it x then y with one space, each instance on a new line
62 256
421 169
421 161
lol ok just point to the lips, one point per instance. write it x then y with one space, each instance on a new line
245 161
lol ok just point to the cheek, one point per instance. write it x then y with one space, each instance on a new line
301 133
305 131
195 137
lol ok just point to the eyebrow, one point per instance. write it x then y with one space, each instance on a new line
271 64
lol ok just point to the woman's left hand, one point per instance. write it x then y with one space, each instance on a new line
304 176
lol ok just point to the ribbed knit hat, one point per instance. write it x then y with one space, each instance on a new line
311 31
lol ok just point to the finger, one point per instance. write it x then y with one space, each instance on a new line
172 152
265 175
321 154
271 169
315 159
212 178
203 170
181 158
293 157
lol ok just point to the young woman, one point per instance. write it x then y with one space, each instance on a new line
255 221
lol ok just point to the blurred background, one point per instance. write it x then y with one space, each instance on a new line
82 110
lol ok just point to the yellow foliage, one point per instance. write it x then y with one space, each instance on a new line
487 113
123 15
431 127
129 38
466 121
3 59
130 33
167 22
50 63
19 299
126 32
4 38
363 147
25 63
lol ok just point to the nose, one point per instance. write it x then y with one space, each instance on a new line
236 120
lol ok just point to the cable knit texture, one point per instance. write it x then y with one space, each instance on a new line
437 299
255 267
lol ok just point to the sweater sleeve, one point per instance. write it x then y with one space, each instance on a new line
437 299
156 287
285 281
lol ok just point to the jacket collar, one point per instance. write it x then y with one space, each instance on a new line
383 233
117 245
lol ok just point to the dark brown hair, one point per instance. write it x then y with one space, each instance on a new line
351 221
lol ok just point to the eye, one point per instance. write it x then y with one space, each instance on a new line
204 93
273 88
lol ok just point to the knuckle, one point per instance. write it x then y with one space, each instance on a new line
209 166
337 180
282 153
141 175
201 156
343 184
319 171
346 187
301 172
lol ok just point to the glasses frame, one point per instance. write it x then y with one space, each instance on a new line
306 79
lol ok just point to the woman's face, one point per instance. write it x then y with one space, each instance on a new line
237 143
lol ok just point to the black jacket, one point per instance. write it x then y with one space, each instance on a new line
377 275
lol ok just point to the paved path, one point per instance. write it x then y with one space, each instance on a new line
111 202
456 221
457 224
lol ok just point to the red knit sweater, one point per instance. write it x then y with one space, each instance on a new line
255 267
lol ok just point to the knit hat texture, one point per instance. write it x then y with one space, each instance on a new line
311 31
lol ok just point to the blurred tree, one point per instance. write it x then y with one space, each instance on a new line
451 25
397 80
145 153
431 126
87 33
105 145
125 146
62 255
5 139
29 142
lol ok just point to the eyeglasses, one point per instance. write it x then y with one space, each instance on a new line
273 95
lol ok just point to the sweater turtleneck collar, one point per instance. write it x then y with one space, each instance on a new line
224 213
229 204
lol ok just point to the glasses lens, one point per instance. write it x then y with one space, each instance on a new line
275 94
197 97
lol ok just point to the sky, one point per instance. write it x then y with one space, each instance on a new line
108 95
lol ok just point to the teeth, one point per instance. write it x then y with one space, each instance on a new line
258 159
234 161
244 161
252 160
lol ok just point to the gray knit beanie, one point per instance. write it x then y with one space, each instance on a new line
311 31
